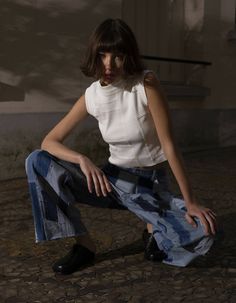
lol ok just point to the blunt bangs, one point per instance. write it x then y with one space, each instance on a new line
112 42
115 36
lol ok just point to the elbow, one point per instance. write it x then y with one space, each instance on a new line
45 145
49 143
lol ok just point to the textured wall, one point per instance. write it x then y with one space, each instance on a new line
42 45
189 29
194 130
43 41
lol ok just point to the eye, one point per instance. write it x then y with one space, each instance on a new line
101 54
119 57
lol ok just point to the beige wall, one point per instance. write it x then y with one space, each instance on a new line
42 43
217 21
45 40
191 29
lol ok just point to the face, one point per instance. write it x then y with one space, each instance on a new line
112 66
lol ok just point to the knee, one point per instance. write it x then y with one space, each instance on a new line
31 159
37 161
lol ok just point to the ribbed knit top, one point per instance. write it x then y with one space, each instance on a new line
125 122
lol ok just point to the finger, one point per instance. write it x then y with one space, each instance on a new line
102 184
212 215
190 220
208 210
107 183
211 223
212 212
96 185
89 182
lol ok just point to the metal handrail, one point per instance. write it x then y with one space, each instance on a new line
147 57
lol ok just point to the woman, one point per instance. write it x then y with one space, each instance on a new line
134 120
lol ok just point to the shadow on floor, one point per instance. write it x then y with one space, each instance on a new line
222 254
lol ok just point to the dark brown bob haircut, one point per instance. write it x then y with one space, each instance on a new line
112 35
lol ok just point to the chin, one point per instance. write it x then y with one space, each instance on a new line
109 81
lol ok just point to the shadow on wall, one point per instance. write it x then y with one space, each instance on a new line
10 92
42 42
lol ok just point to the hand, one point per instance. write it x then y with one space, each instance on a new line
206 216
95 177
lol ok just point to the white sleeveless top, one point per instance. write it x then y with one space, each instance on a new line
125 123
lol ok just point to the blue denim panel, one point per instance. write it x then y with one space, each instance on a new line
55 195
171 230
175 219
173 233
124 186
38 161
29 165
37 213
43 163
50 207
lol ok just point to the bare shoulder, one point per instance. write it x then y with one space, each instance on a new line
80 103
150 81
77 113
79 109
153 89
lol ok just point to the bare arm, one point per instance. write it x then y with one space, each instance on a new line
53 143
158 107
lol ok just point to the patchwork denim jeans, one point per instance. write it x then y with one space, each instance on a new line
56 186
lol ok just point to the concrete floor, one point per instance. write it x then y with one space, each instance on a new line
120 273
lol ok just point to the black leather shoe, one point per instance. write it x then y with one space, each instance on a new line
151 249
77 258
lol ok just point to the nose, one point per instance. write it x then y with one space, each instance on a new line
108 62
